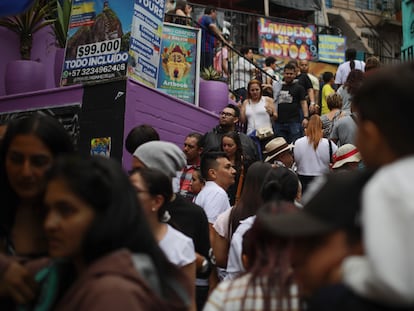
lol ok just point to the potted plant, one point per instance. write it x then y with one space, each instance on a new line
213 92
60 29
26 75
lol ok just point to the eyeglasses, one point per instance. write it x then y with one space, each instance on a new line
226 114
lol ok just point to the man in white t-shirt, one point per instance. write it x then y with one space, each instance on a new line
219 174
345 68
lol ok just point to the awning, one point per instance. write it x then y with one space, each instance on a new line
352 38
303 5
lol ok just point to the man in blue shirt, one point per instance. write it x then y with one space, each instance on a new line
209 31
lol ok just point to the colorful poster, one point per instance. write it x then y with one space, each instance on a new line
331 49
292 41
178 65
101 146
146 41
98 41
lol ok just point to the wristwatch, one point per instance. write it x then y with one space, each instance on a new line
204 266
307 118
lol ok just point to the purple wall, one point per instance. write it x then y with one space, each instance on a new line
171 117
42 99
43 50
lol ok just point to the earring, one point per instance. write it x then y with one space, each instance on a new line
153 209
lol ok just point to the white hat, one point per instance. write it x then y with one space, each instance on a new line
346 154
275 147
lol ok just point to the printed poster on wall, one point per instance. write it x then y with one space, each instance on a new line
146 41
331 49
294 41
98 41
179 70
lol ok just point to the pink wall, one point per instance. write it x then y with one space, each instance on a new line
171 117
43 50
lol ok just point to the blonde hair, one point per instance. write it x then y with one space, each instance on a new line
314 130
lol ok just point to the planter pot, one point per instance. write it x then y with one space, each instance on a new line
213 95
24 76
58 65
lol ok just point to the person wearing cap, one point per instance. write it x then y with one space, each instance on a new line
279 152
189 217
385 139
324 233
346 158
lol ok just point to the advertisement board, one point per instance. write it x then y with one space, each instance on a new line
294 41
98 41
331 49
178 65
146 41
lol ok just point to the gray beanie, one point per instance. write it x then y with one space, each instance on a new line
161 155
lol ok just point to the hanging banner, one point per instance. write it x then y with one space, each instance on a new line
146 41
98 41
283 40
331 49
179 69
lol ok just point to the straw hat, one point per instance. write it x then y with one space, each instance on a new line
275 147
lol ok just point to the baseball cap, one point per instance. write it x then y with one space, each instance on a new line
336 204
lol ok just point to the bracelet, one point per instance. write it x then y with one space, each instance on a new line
307 118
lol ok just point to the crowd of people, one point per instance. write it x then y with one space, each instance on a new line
308 208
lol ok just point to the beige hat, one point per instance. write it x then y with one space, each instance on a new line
275 147
345 154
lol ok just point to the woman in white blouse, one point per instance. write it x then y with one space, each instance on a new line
312 152
154 191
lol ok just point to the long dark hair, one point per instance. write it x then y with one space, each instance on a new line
250 198
354 81
280 184
268 258
53 136
157 183
119 221
239 150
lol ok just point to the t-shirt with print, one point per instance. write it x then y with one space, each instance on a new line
289 100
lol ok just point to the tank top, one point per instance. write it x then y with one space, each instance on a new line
257 117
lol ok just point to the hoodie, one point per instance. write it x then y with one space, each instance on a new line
110 283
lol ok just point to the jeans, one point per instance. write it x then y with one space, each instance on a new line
289 131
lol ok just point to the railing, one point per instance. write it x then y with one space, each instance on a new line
384 7
408 53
